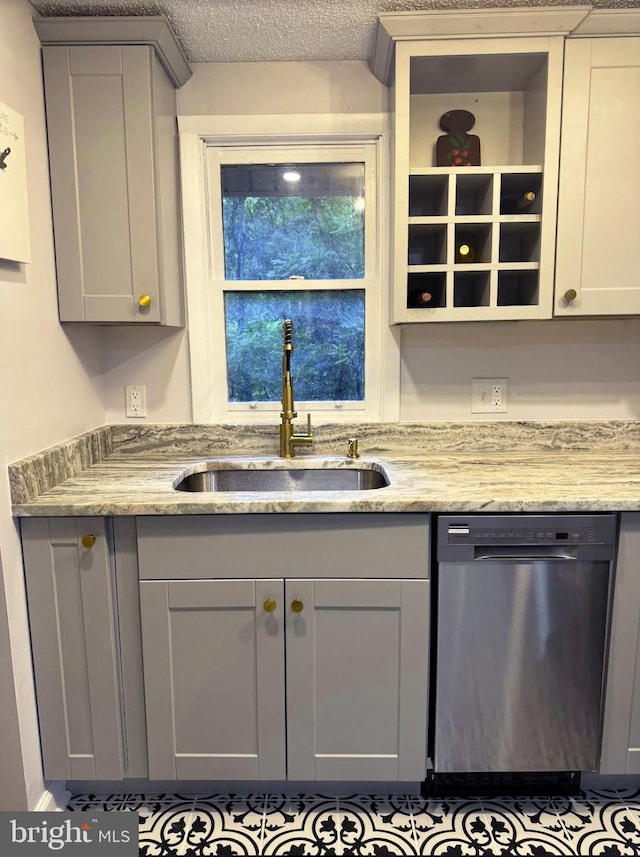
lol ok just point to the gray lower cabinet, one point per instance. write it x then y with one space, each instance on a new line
354 678
229 671
621 732
322 676
243 674
75 650
357 657
111 126
214 679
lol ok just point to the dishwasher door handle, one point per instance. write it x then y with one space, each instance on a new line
516 553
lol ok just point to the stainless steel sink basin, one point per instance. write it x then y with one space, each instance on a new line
213 477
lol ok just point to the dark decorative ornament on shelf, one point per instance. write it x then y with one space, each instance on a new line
457 148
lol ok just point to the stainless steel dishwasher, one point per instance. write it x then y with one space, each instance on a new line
522 619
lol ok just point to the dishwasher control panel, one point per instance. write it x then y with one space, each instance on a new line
542 534
457 535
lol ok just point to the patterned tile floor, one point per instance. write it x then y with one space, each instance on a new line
604 822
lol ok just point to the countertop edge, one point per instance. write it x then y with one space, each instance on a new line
433 467
28 510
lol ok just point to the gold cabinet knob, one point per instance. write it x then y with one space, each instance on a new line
144 301
297 606
269 605
570 295
88 540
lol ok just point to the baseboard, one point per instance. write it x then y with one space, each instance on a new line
59 792
201 787
55 798
610 781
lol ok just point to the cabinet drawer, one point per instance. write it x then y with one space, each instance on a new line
259 546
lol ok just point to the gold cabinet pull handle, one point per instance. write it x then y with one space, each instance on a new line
269 605
570 295
297 605
144 301
88 540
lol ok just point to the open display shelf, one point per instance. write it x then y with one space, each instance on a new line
504 210
471 206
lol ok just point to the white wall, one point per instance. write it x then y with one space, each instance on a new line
47 381
561 369
155 357
281 87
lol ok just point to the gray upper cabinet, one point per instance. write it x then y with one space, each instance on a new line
111 125
75 648
598 227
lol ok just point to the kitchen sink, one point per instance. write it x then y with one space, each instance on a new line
212 476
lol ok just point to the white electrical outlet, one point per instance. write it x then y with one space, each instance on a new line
135 396
489 395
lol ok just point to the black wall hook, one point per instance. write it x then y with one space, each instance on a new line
3 156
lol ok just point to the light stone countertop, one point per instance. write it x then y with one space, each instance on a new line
431 467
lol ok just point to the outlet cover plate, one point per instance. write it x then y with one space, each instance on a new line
135 400
489 395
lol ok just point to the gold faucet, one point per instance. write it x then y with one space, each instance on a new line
288 439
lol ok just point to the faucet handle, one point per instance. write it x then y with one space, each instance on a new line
352 448
292 440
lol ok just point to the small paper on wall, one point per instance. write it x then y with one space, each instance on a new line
15 243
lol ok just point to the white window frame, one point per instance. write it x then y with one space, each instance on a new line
208 141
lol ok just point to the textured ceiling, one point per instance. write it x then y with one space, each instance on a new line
272 30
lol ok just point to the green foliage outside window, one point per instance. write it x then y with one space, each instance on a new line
274 238
301 221
328 337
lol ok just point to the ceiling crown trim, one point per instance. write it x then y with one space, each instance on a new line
127 30
393 27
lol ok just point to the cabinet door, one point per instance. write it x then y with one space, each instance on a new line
357 679
69 592
100 132
214 679
621 731
598 223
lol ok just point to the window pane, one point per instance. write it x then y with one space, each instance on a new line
293 220
328 341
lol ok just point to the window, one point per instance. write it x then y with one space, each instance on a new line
293 221
328 360
292 230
